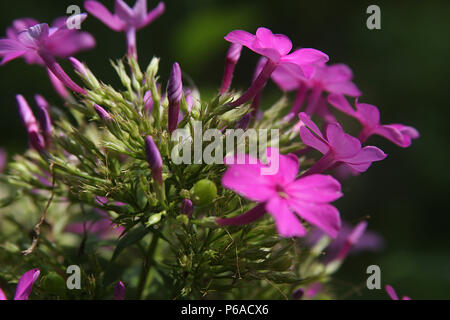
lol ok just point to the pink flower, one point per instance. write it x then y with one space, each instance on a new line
369 117
41 44
126 19
61 41
336 78
24 286
337 147
276 48
349 240
391 292
101 227
285 197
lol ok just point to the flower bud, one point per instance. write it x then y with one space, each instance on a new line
351 240
174 94
53 283
45 121
78 66
2 159
30 123
204 192
119 291
298 294
233 55
148 102
187 208
102 113
154 159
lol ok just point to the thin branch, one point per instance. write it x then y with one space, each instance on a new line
37 227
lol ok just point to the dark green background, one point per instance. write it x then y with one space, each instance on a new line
402 68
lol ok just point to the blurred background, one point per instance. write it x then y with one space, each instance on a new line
402 68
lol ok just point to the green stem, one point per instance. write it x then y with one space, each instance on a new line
147 265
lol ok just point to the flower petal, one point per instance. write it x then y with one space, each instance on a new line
287 166
340 102
247 180
25 284
154 14
266 39
316 188
397 133
342 144
285 79
287 223
362 161
391 292
99 11
242 37
324 216
368 114
311 135
2 295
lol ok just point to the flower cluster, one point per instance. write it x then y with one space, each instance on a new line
107 161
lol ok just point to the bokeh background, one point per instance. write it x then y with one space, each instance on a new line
402 68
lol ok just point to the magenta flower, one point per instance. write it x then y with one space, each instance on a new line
369 117
35 137
3 157
337 147
276 48
102 227
350 240
391 292
284 196
61 41
126 19
336 78
119 291
24 286
40 44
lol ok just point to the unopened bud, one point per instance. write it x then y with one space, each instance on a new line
154 159
187 208
174 94
44 118
102 113
30 123
233 55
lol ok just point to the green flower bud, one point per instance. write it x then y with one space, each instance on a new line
53 283
204 192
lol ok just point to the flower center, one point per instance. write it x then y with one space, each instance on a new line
280 191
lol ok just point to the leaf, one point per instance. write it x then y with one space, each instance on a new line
129 239
10 199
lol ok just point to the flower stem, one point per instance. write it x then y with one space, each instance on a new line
324 163
58 72
146 266
257 85
131 43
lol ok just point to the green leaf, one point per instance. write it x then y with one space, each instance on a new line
129 239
